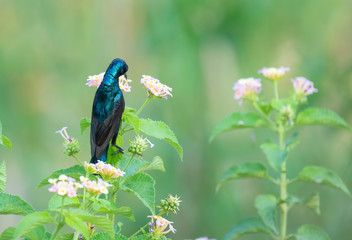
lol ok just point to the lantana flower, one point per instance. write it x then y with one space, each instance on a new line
95 187
159 225
303 87
64 186
64 134
247 88
273 73
71 145
107 171
155 87
96 80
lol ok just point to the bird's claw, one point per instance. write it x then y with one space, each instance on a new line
118 151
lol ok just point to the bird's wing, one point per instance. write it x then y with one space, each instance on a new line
105 130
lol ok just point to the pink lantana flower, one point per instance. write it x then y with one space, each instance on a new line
247 88
303 87
155 87
273 73
96 80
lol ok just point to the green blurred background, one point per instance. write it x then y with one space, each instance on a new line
199 48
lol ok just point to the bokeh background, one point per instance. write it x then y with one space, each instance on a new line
199 48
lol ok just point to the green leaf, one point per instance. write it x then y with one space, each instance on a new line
102 206
142 186
112 158
265 107
2 176
131 119
103 222
312 201
292 142
322 176
310 232
6 142
160 130
36 234
32 221
266 206
8 233
274 154
135 164
10 204
318 116
156 164
105 236
250 225
238 120
77 224
56 201
66 236
278 105
245 170
75 172
84 124
119 236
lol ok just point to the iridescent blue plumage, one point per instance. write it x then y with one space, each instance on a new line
108 107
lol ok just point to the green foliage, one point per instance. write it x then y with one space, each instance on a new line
322 176
75 172
312 201
99 221
250 225
84 124
66 236
266 206
131 119
32 221
102 206
4 140
318 116
55 202
310 232
156 164
2 176
10 204
274 154
160 130
238 120
77 224
245 170
143 187
7 234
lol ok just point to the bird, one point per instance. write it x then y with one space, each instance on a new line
108 107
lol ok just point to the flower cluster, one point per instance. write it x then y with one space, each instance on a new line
155 87
247 88
303 87
71 145
273 73
106 171
170 204
287 114
139 145
97 79
159 225
95 187
64 186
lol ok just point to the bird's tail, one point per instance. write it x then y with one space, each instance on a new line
103 157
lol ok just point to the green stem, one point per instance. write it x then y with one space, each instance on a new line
77 159
283 187
144 104
111 215
276 91
61 218
255 104
128 164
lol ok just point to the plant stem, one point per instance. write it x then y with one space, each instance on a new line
61 224
144 104
276 91
77 159
129 162
283 187
255 104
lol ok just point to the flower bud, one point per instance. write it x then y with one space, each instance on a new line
170 204
71 147
139 145
287 114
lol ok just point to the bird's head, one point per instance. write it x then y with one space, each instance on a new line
117 68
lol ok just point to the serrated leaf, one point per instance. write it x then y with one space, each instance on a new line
160 130
6 142
32 221
322 176
84 124
238 120
8 233
36 234
245 170
312 201
3 176
75 172
318 116
142 186
66 236
134 165
274 154
266 206
156 164
103 222
131 119
77 224
102 206
250 225
10 204
56 201
310 232
119 236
